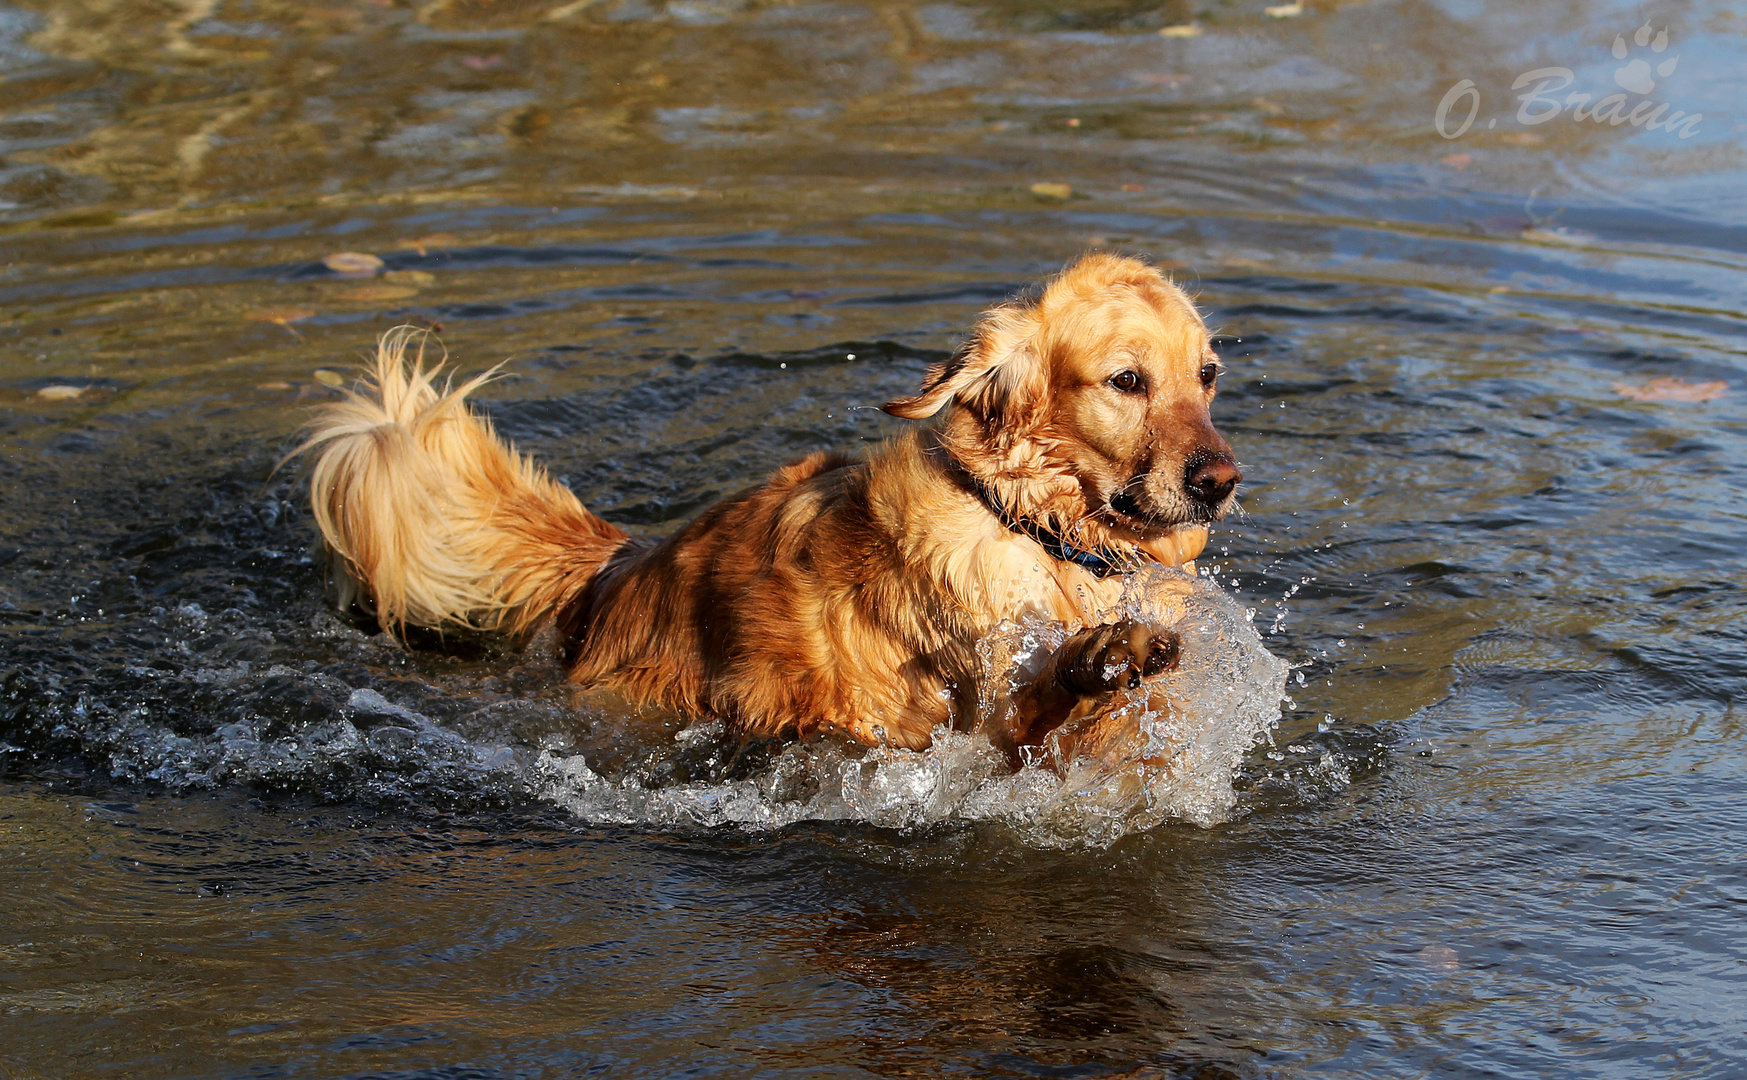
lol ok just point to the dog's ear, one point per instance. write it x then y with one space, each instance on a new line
995 373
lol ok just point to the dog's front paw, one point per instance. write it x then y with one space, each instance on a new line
1107 658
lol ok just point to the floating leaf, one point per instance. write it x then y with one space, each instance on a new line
329 378
1058 192
1285 11
283 316
1441 958
378 292
273 386
1181 30
565 11
353 264
419 279
60 393
1668 389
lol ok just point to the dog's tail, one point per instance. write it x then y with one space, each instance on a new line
432 518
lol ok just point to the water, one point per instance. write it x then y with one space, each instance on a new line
1494 830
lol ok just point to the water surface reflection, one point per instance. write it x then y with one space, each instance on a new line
1493 834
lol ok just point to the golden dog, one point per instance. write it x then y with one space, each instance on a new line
839 595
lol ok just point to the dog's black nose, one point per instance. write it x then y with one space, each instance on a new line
1211 479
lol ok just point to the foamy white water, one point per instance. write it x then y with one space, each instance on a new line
1191 730
358 731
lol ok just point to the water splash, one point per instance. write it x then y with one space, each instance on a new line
1179 747
357 726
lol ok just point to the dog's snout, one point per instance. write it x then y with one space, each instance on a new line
1211 478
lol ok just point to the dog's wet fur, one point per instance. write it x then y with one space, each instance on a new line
844 595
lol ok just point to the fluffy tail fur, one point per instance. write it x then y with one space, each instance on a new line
433 518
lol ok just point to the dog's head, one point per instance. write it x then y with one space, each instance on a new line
1088 405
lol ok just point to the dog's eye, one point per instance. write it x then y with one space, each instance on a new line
1126 381
1209 372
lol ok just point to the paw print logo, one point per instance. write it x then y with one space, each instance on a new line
1635 76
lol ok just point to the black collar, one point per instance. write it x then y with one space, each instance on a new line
1101 562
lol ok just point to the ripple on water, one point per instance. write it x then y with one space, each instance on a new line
342 732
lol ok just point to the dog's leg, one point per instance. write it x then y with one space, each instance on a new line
1084 674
